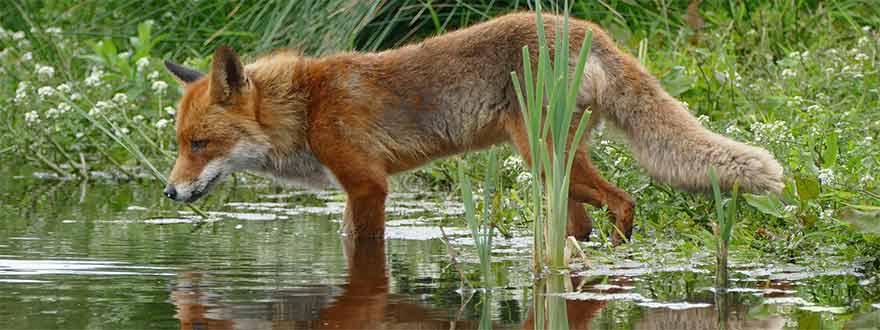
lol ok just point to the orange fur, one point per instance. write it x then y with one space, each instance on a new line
355 118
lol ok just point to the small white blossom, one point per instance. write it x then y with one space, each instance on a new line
76 96
63 88
137 118
27 57
124 55
95 78
120 98
790 208
32 118
703 119
21 92
826 176
170 110
99 108
732 130
18 35
121 131
53 30
866 29
513 163
862 57
814 107
162 123
866 179
143 63
46 91
863 41
52 113
524 178
159 87
44 72
153 75
63 108
788 73
827 214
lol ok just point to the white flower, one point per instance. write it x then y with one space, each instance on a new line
796 100
95 78
32 118
826 176
862 57
863 41
162 123
52 113
137 118
45 72
121 131
170 110
21 92
153 75
143 63
18 35
524 178
732 130
63 108
788 73
703 119
124 55
826 214
159 87
27 57
790 208
63 88
120 98
513 162
53 30
46 91
866 29
813 107
75 96
99 108
865 180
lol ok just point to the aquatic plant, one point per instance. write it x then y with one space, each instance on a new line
482 227
547 102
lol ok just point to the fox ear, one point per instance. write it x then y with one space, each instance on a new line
227 74
183 74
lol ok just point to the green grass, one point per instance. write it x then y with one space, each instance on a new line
798 78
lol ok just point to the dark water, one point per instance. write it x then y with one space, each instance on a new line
101 256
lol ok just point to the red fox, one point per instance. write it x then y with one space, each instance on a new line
353 119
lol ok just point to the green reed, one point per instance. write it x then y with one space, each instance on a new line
482 228
725 219
548 103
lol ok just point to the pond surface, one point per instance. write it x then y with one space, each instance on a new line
104 256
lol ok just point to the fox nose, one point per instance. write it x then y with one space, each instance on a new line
170 192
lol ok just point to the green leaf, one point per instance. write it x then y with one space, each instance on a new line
769 205
807 187
829 154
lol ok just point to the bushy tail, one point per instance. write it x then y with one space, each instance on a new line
670 143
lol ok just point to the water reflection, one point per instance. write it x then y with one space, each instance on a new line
275 261
364 302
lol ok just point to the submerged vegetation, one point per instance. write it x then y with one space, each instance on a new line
83 95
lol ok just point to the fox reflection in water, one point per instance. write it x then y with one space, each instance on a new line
366 303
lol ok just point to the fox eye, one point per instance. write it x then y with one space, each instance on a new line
197 145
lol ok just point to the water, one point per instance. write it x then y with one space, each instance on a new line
117 256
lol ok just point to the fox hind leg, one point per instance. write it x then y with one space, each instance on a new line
588 186
579 225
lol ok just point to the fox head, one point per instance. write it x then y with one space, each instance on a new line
217 127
